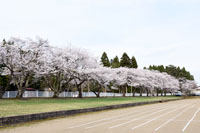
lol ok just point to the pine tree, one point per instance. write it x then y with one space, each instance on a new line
115 62
104 60
125 61
150 67
134 62
173 71
161 68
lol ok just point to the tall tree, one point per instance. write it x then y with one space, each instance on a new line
161 68
104 60
173 71
4 82
19 59
115 62
125 60
134 62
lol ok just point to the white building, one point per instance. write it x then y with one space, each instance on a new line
196 91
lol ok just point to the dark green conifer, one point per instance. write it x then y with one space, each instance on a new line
125 61
104 60
134 62
115 62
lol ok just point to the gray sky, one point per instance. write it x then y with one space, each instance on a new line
154 31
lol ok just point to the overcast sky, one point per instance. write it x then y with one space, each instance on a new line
154 31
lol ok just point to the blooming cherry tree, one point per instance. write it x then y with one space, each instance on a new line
20 59
25 60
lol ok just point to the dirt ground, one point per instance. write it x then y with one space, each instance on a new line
171 117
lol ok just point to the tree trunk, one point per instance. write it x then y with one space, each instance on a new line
140 92
157 92
79 91
79 88
165 93
3 90
1 93
124 92
20 93
97 94
21 88
133 92
56 94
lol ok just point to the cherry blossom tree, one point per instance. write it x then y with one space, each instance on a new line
99 78
188 85
82 62
25 60
146 80
19 58
56 68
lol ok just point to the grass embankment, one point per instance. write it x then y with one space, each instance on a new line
12 107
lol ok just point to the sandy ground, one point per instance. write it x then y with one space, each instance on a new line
172 117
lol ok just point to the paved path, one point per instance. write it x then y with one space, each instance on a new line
172 117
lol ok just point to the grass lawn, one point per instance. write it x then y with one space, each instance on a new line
11 107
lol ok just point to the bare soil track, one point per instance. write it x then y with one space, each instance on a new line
171 117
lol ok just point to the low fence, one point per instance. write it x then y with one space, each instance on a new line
41 94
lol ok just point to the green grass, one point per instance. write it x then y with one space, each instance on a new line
11 107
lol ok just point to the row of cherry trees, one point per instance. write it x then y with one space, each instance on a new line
26 61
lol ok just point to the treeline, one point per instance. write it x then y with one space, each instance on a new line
34 63
173 71
27 62
125 61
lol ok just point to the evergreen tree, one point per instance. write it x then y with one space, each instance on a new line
134 62
150 67
161 68
125 61
177 72
104 60
186 74
115 62
171 70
